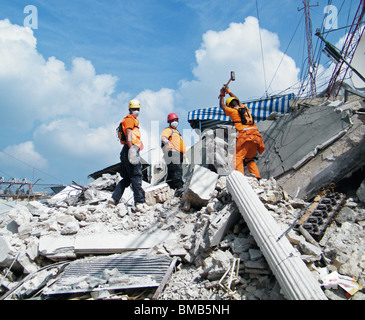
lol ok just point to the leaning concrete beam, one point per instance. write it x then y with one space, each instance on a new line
285 262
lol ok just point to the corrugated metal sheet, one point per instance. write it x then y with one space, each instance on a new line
121 271
260 109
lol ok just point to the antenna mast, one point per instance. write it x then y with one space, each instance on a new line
347 51
308 26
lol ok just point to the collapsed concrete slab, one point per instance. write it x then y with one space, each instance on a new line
57 247
114 243
66 247
312 147
285 262
200 186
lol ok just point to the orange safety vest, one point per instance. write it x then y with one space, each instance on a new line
174 136
234 114
130 122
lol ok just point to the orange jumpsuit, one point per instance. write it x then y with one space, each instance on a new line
249 142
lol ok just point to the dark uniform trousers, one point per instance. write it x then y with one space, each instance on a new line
132 175
174 160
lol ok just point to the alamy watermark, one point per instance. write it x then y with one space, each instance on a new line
331 17
31 20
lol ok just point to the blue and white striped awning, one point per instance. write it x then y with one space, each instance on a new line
260 109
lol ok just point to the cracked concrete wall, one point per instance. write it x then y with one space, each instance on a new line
330 165
294 136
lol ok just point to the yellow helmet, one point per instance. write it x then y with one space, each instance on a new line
134 104
230 99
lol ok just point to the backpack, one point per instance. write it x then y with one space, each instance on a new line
246 116
121 135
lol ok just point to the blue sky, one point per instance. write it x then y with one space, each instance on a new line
65 86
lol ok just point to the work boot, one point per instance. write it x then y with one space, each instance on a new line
140 207
111 203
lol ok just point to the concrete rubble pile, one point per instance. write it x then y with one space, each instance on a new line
218 258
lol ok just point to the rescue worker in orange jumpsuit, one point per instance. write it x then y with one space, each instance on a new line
249 140
174 153
130 167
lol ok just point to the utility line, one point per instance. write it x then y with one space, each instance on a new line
285 52
262 51
27 164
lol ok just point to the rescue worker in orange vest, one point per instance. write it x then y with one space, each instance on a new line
249 140
174 153
130 167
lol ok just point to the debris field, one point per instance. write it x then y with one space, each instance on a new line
76 246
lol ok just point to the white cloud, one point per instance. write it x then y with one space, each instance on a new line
71 114
33 89
156 105
238 49
10 32
74 139
24 153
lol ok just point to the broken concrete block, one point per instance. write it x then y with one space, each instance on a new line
6 253
271 196
121 209
104 182
211 207
70 227
310 249
222 258
201 186
243 244
80 213
293 237
70 192
255 254
188 230
28 266
57 247
174 248
20 214
221 183
346 214
37 208
64 219
260 264
158 194
32 248
189 258
221 223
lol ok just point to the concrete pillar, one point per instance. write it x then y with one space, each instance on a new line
285 262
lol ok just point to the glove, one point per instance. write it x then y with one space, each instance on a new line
165 141
226 89
223 93
133 156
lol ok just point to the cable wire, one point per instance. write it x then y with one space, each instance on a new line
262 50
